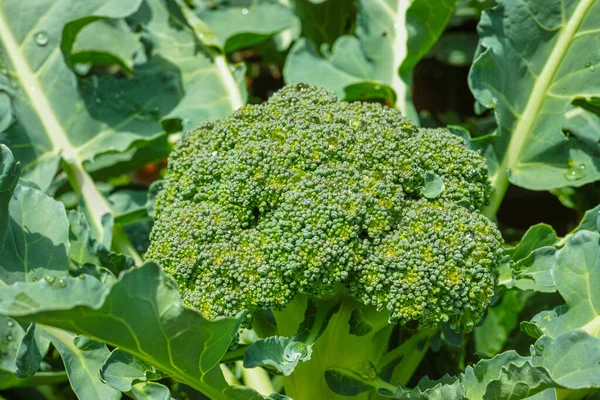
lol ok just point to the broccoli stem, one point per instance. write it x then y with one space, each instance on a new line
408 356
335 348
123 245
257 379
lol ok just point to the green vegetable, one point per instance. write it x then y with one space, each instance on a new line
302 247
306 195
305 192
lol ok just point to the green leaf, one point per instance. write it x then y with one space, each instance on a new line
433 185
391 36
534 60
277 352
128 205
150 391
283 354
534 271
589 221
122 371
360 324
82 358
501 320
29 356
572 359
213 88
537 236
154 327
12 334
8 380
506 376
86 250
239 25
364 379
455 48
106 42
576 274
370 91
583 123
48 107
34 238
325 21
10 170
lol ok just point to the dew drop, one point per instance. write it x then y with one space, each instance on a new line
333 143
244 11
355 123
41 38
50 279
294 351
575 173
279 135
369 372
62 283
35 279
82 277
301 86
9 337
10 324
539 347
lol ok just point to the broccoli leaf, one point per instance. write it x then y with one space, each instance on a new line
576 274
433 185
49 110
325 21
82 358
122 371
501 320
32 350
34 233
154 326
240 25
391 37
284 354
534 60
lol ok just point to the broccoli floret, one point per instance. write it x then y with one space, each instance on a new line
304 192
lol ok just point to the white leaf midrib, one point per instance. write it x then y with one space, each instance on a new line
35 93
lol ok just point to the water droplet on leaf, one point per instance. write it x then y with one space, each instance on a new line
575 173
41 38
10 324
62 283
50 279
244 11
9 337
295 351
369 372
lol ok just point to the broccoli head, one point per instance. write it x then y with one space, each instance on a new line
305 193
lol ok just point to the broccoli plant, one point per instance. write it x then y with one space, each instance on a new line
299 199
345 209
